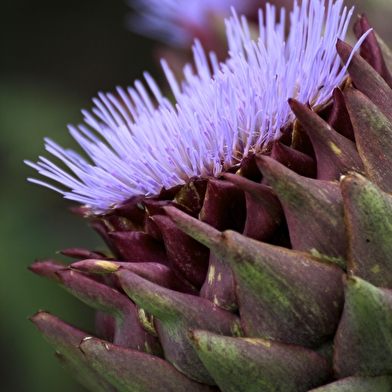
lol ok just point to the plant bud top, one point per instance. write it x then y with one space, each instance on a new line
138 145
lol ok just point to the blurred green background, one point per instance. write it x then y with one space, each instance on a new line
55 57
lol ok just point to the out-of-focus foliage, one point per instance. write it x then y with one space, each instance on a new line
55 57
33 224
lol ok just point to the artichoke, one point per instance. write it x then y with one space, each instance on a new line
249 227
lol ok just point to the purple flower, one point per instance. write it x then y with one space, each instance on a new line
224 112
175 21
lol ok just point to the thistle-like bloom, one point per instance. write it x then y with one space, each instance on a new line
224 112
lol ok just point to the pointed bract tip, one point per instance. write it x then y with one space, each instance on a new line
95 266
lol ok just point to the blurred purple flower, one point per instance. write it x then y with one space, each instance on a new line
224 112
178 22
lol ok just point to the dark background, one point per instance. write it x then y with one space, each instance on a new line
55 56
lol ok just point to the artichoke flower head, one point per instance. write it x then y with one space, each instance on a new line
248 224
223 112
